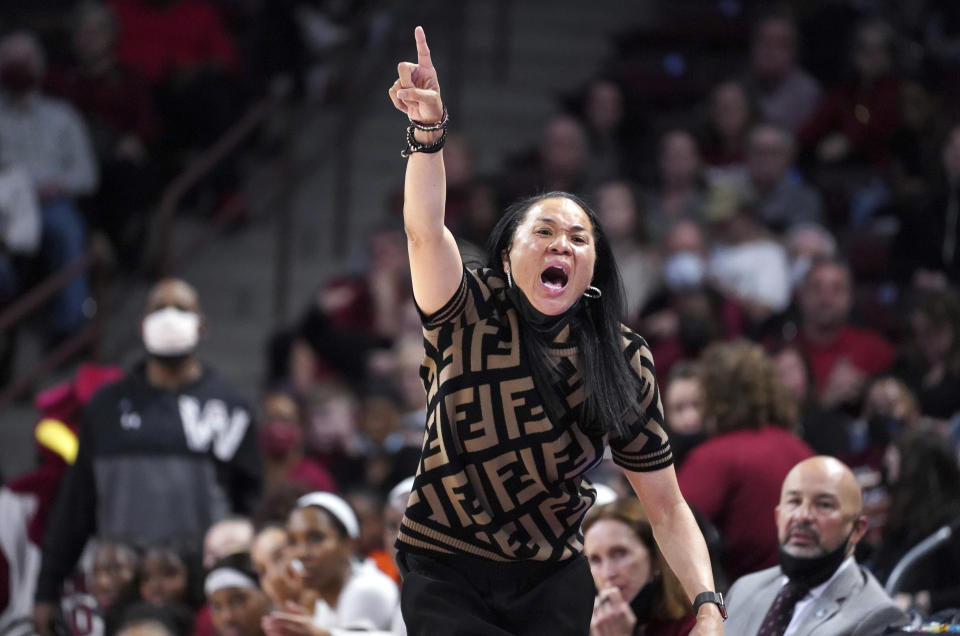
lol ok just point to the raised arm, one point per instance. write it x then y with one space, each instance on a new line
435 264
680 540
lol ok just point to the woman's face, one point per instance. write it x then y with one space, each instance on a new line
684 406
552 255
934 339
618 558
730 110
617 210
793 374
114 568
164 579
236 611
314 540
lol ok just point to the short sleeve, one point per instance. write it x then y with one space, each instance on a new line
646 448
474 299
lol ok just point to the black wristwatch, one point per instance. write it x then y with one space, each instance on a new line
710 597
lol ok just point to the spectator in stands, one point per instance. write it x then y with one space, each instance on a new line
604 119
184 50
825 430
841 356
687 313
725 137
561 162
163 453
683 407
233 592
279 577
930 364
117 104
681 192
281 437
818 584
916 145
381 456
26 500
323 530
927 246
228 536
171 575
747 263
922 468
783 200
368 504
352 315
806 243
732 478
144 619
784 93
114 580
48 139
623 221
637 592
856 119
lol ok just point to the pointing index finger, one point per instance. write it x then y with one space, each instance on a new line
423 51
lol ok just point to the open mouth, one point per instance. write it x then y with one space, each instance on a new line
554 277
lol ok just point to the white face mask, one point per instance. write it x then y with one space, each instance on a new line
683 271
171 332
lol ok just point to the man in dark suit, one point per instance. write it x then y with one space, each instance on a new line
818 589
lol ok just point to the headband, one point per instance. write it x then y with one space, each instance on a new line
336 506
223 577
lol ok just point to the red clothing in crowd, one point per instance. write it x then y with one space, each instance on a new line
734 480
867 115
119 99
313 475
866 350
183 35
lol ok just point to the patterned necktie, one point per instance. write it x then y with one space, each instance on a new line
780 613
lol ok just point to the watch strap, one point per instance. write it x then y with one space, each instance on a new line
710 597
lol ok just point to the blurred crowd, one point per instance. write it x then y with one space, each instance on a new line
104 102
782 189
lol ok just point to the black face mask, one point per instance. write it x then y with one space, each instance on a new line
171 362
812 571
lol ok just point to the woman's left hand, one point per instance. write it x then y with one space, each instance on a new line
293 622
612 615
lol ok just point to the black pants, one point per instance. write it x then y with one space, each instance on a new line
464 596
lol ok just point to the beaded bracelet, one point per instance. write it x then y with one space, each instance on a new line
415 146
419 125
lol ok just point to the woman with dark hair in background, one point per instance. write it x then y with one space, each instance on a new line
236 601
734 477
529 375
171 575
925 495
348 595
931 363
637 593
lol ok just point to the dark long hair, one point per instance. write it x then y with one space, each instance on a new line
611 387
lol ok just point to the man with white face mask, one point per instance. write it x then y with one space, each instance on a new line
163 453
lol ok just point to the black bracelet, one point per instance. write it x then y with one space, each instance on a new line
419 125
415 146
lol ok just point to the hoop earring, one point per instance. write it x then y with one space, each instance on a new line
509 280
592 292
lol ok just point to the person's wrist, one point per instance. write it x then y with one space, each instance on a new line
709 612
427 137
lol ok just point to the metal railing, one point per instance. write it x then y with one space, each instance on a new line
86 339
